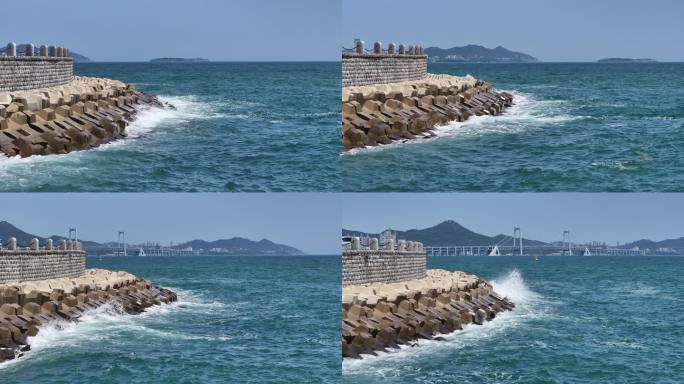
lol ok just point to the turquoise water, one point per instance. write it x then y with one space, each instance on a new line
577 320
237 320
576 127
238 127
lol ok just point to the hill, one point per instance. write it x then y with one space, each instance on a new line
477 54
21 49
242 246
650 244
235 245
447 233
8 230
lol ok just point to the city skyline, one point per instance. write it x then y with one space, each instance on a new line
607 217
550 31
259 30
285 218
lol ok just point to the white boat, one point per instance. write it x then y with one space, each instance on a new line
495 251
586 252
141 252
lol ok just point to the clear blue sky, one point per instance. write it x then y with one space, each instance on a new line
310 222
135 30
572 30
601 216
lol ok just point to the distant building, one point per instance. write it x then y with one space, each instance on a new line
386 236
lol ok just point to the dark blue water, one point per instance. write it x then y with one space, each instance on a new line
577 320
238 127
238 320
576 127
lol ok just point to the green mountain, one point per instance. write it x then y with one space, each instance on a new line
477 54
446 233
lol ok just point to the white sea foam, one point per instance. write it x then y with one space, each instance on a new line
109 321
512 285
527 113
148 120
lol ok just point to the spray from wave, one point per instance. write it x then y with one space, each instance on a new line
148 120
511 285
110 322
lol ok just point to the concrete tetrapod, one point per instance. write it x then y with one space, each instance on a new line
378 317
381 114
24 309
82 114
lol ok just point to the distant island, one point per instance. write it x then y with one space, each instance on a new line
613 60
233 246
477 54
21 50
179 60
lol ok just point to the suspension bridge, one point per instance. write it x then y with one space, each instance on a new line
513 246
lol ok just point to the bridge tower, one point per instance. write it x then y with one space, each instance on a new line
517 232
567 245
122 243
73 235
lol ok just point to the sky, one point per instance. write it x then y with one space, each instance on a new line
601 217
139 30
570 30
309 222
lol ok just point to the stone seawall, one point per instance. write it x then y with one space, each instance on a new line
386 266
386 113
26 306
37 262
358 70
82 114
24 73
379 317
27 265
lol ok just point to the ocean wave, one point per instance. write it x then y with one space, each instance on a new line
529 307
512 285
526 113
109 321
148 119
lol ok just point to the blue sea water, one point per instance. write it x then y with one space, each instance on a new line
238 127
575 127
237 320
577 320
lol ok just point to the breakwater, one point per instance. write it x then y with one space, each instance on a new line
44 284
407 302
45 110
394 101
25 306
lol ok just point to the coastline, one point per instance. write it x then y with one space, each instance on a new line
29 305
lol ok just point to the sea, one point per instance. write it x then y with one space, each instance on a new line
248 127
574 127
577 320
271 319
